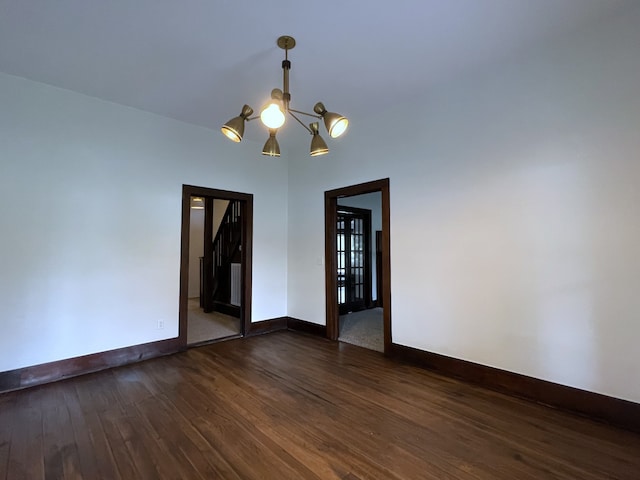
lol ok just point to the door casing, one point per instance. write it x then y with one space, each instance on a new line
247 253
330 216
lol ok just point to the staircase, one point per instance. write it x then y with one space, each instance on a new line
226 259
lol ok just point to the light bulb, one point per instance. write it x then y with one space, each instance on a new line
339 127
272 116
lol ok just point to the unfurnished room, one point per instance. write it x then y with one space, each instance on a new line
320 240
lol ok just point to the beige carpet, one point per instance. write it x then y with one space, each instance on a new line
364 328
204 327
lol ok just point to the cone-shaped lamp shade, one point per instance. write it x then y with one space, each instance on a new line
234 128
271 147
336 124
318 145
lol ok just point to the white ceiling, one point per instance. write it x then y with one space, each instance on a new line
200 60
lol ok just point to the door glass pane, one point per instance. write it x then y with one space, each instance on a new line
341 295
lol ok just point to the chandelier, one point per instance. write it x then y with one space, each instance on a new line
273 114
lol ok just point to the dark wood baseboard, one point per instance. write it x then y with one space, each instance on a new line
615 411
72 367
267 326
227 309
306 327
286 323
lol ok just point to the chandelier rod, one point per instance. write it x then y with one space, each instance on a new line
300 121
304 113
286 44
286 66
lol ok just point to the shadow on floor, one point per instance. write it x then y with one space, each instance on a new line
203 327
363 328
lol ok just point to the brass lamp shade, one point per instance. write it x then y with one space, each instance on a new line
318 145
335 123
234 128
271 147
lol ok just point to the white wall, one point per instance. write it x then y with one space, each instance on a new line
196 250
219 209
90 205
515 213
522 254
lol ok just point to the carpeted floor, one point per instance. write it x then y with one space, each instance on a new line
364 328
203 327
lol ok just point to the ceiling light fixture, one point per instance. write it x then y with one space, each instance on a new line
273 114
197 203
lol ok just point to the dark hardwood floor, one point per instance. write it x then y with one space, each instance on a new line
292 406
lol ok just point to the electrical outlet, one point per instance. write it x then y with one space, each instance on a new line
160 324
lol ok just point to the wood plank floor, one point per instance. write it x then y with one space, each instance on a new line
291 406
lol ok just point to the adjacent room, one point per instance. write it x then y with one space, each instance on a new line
214 297
320 240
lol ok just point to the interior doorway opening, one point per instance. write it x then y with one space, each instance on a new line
360 321
358 292
215 282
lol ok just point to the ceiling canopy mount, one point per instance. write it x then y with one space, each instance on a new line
286 42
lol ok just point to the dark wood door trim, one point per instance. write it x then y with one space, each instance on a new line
378 272
207 274
331 296
246 259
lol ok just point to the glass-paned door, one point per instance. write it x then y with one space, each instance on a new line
353 258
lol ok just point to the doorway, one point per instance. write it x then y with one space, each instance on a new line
215 270
357 292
